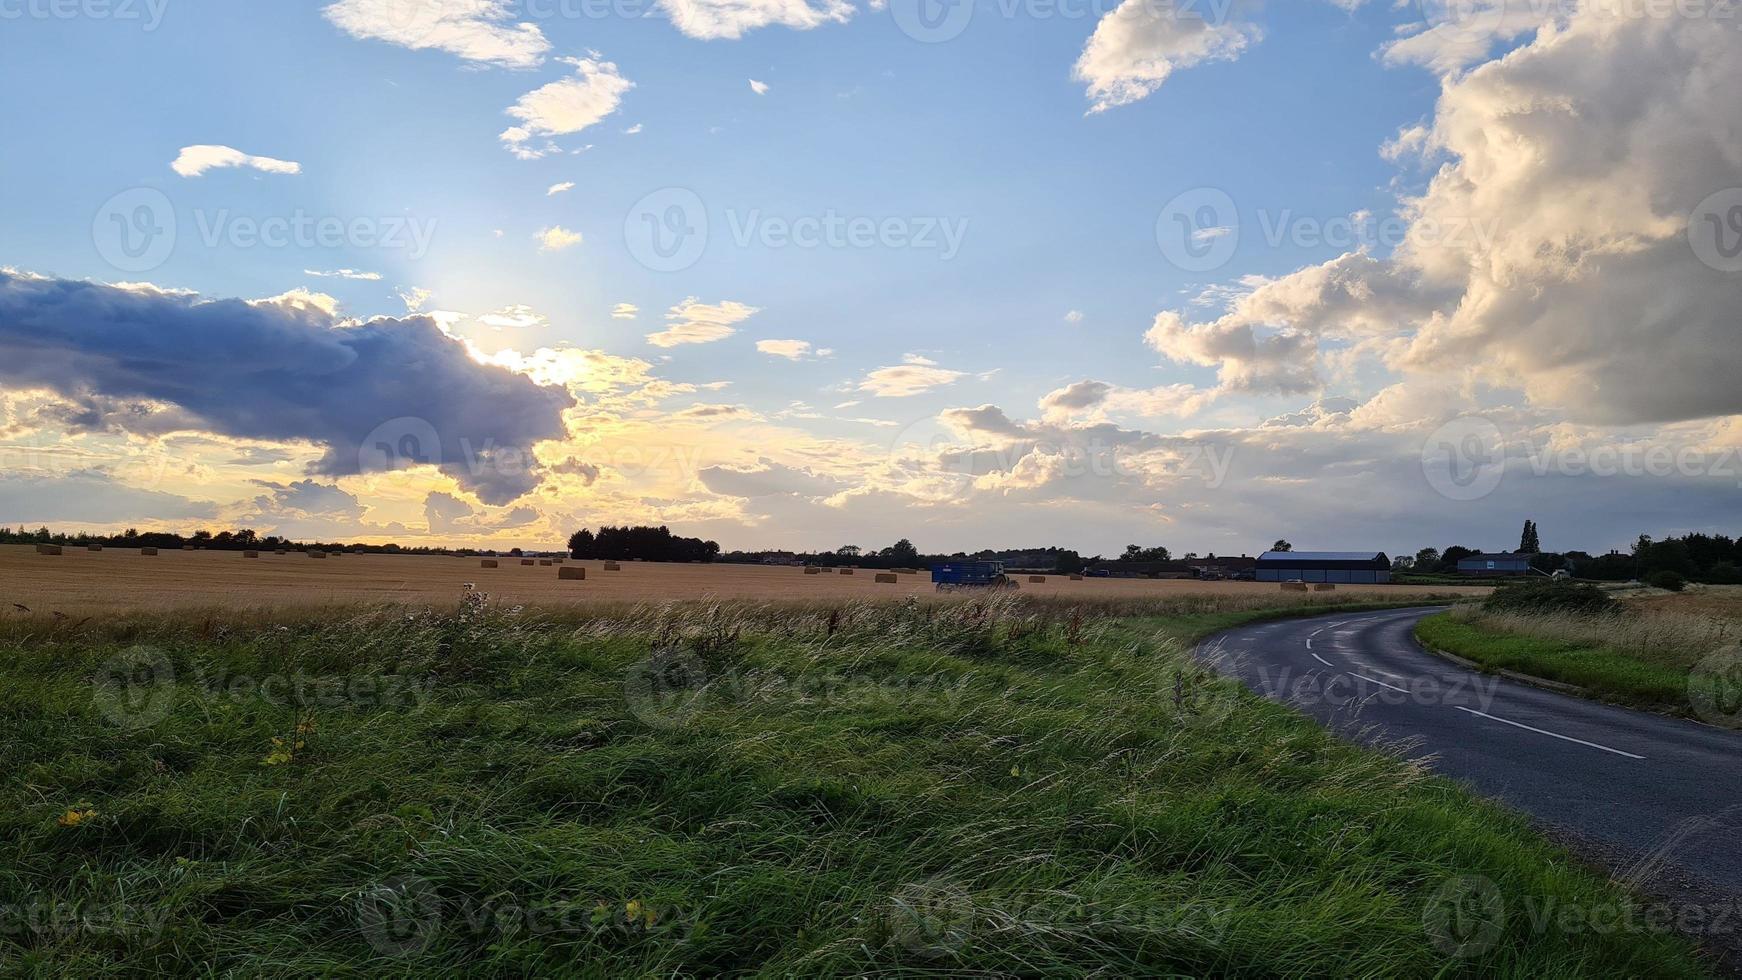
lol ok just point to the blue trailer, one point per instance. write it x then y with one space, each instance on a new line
969 575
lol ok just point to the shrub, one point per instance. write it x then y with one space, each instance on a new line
1538 596
1666 579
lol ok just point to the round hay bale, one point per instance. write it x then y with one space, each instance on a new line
250 554
612 566
571 572
1294 586
846 571
48 549
545 562
1076 578
526 561
93 547
1037 578
317 554
487 563
281 551
812 570
1324 587
148 552
888 578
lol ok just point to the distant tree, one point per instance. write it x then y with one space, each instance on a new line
1281 545
1427 559
902 553
1450 557
1136 552
849 551
1402 563
581 545
1528 542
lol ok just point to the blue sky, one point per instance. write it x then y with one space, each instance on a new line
1058 307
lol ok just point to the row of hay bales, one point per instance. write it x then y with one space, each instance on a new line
1303 587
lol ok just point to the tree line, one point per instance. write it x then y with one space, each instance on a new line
643 543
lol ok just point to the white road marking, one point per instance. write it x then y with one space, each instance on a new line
1380 683
1544 731
1309 643
1322 660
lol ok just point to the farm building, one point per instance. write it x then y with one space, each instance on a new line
1487 565
1351 567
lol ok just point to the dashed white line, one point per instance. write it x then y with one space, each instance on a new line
1322 660
1380 683
1544 731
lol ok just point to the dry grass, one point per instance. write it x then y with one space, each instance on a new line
86 583
1668 633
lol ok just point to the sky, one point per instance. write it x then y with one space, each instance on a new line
808 273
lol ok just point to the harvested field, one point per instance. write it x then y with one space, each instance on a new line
113 580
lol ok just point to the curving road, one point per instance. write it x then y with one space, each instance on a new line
1658 799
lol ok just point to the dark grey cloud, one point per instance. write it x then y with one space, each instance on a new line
387 393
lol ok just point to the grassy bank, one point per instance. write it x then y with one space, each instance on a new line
1651 661
1008 787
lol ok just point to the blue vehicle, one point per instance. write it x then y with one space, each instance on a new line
970 575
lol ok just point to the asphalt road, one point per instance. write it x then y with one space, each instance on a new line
1658 799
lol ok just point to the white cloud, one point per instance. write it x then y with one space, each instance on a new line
556 238
476 30
514 317
760 88
915 375
695 322
196 160
344 274
1141 42
562 188
715 19
565 106
1074 317
631 131
414 298
625 311
792 350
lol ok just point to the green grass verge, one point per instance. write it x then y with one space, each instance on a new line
1605 674
995 787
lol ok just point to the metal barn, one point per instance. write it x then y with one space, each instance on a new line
1502 564
1340 567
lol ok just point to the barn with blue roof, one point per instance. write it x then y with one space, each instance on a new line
1341 567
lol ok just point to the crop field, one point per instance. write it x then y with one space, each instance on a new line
83 583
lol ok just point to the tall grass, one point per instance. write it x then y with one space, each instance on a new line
996 787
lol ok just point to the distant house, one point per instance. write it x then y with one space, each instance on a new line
1350 567
1213 567
1146 569
1489 565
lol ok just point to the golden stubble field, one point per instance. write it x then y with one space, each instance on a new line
81 582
